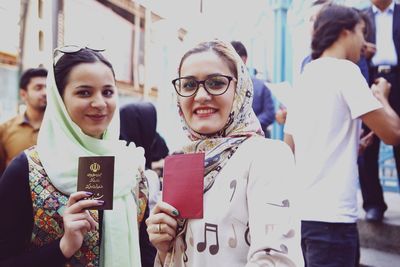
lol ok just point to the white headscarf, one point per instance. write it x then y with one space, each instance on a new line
60 144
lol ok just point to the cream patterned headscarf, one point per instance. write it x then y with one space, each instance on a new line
61 142
242 123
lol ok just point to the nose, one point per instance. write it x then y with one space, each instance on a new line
201 94
98 101
43 91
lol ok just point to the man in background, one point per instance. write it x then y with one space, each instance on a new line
21 131
382 51
263 105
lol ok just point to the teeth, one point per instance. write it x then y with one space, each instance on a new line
204 111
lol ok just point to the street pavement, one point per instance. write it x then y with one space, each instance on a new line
380 243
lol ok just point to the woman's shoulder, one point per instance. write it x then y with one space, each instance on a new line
268 156
258 150
345 66
336 64
265 146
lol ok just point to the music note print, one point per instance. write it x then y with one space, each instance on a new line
283 249
291 233
233 240
185 257
233 185
201 246
247 235
285 204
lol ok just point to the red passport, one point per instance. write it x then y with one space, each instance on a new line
183 184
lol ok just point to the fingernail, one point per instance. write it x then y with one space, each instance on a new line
100 202
88 193
175 212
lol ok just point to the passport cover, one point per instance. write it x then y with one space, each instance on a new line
183 184
96 175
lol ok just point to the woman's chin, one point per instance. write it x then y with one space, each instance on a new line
206 130
94 134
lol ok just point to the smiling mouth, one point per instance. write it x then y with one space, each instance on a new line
205 112
97 117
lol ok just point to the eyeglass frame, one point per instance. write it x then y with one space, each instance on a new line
230 78
78 48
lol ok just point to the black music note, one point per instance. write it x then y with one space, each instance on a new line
185 257
283 249
233 240
233 185
201 246
247 235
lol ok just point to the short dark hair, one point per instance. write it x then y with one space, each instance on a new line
329 24
68 61
29 74
321 2
240 48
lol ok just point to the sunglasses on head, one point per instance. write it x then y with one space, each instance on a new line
70 49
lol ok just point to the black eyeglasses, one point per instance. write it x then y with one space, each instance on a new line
70 49
215 85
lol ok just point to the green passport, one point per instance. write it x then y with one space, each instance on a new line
96 175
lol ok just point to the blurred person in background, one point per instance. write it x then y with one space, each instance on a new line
138 125
281 113
263 105
324 136
383 56
21 132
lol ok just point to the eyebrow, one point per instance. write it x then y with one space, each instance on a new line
208 76
91 87
83 87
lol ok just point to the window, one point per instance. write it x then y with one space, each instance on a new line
40 9
41 41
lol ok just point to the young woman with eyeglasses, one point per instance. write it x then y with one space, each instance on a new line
45 221
247 210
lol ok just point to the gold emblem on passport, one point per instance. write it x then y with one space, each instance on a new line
95 167
96 175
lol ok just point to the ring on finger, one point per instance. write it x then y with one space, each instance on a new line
159 228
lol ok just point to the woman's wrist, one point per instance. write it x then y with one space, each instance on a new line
65 249
161 256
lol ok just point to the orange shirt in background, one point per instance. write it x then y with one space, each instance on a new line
16 135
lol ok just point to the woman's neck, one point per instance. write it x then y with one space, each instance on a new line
336 51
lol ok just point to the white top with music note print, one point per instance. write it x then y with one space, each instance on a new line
248 218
